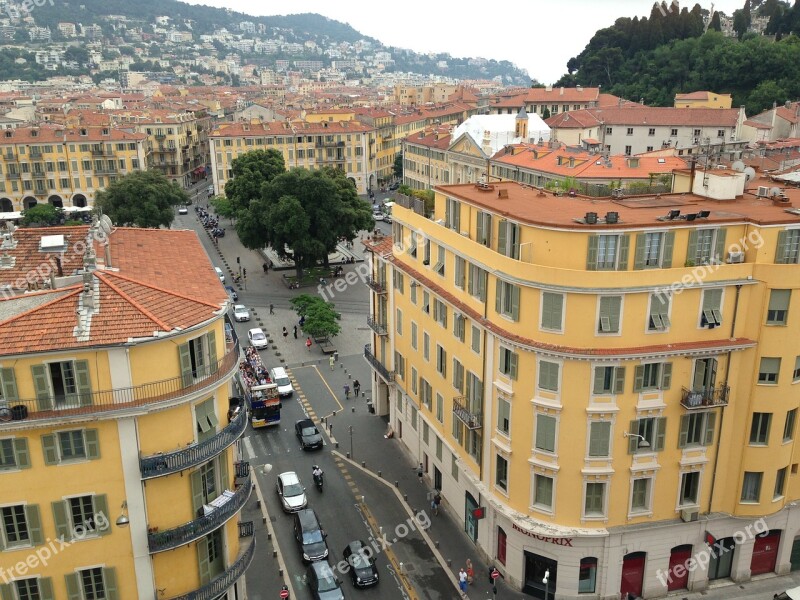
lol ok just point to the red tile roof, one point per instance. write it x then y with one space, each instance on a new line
647 115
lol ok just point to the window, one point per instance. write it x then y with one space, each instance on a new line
648 429
400 365
608 253
545 433
720 133
81 515
508 239
62 384
751 486
413 380
787 249
14 454
484 229
426 346
507 300
548 375
454 467
587 575
440 312
673 132
780 483
759 429
76 444
439 416
609 130
425 393
599 438
503 416
458 375
652 376
441 361
476 339
460 272
711 313
788 425
778 307
609 380
206 417
20 526
34 588
399 321
543 491
413 335
768 370
198 358
439 266
628 150
439 447
629 131
640 494
706 246
426 251
651 131
459 326
508 362
399 283
477 282
426 432
690 487
697 429
94 584
796 371
412 244
594 502
452 215
658 319
501 474
552 311
696 133
609 314
654 250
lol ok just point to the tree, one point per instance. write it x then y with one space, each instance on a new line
251 171
398 166
42 215
716 24
141 199
320 318
223 206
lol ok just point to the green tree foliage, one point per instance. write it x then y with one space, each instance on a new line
303 214
223 206
716 23
251 171
42 215
141 199
398 166
321 320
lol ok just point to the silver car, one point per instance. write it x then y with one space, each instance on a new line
291 492
240 313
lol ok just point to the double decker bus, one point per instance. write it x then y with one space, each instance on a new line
265 405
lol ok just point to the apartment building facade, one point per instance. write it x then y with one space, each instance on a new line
603 390
116 433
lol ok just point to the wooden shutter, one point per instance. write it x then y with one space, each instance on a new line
552 306
545 432
479 231
45 588
666 375
599 438
502 233
102 522
782 248
638 255
73 582
196 481
185 358
638 378
512 366
110 583
610 308
33 521
224 477
660 434
43 399
483 277
711 420
591 255
83 382
498 301
598 386
9 382
669 245
619 380
623 243
633 441
21 455
683 435
5 591
447 212
211 340
62 521
719 244
203 560
691 248
515 293
50 449
515 233
92 443
456 215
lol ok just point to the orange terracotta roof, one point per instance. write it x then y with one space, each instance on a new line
285 128
648 115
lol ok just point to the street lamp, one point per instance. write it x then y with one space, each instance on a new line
546 582
643 443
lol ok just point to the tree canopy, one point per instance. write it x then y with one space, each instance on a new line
42 215
321 320
251 171
141 199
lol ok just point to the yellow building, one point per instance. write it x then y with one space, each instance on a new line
703 100
599 387
62 166
119 477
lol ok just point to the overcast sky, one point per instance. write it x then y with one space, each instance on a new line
537 35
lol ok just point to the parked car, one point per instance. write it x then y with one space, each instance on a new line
240 313
257 338
377 215
183 210
232 292
322 582
220 274
309 535
308 434
280 377
291 492
790 594
394 185
362 569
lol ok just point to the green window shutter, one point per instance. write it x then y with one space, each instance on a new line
669 245
711 420
211 340
483 278
512 370
624 242
40 384
691 248
457 216
661 433
633 441
5 592
638 378
101 516
186 364
203 560
92 444
110 583
50 449
447 212
619 380
502 232
638 254
614 304
479 231
683 435
73 586
21 454
45 588
33 521
515 232
781 248
498 300
9 382
226 483
83 382
515 293
63 528
599 438
196 480
599 380
666 375
591 255
719 246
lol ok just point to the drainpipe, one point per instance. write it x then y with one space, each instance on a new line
722 410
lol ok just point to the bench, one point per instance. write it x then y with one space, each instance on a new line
325 345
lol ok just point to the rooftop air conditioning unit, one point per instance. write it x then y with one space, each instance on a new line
689 515
735 258
762 192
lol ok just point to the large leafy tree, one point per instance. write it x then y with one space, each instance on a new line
251 171
42 215
141 199
303 214
320 318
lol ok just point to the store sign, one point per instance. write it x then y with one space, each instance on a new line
560 541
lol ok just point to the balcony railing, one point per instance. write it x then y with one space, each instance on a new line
102 152
471 420
242 468
377 326
415 204
214 588
160 541
172 462
376 285
706 398
60 407
387 375
246 529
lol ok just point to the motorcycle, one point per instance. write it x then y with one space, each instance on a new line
318 481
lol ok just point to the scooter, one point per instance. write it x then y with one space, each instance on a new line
318 481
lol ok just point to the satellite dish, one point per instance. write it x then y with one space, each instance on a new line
750 173
738 166
774 191
105 224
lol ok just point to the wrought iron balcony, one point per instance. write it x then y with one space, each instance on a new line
121 399
102 152
377 326
159 541
172 462
471 420
706 398
376 285
214 588
387 375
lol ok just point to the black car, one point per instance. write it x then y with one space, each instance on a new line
308 434
361 564
322 582
309 535
232 292
394 186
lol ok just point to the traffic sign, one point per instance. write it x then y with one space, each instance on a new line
495 574
284 593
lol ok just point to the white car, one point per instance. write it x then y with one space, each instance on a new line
257 338
241 313
378 216
220 274
291 492
183 210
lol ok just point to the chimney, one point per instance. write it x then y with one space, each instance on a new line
107 253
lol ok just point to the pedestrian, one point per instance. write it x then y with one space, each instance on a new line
346 391
420 471
470 571
266 267
295 332
272 309
285 334
332 361
357 387
302 321
437 500
308 344
462 582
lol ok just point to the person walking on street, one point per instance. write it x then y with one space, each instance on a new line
285 334
295 332
462 582
357 388
346 391
272 309
470 570
420 471
437 500
332 360
308 344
